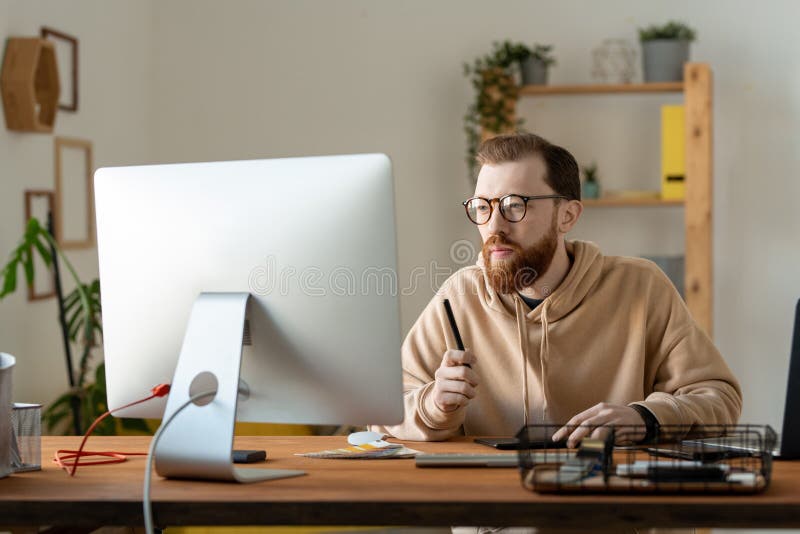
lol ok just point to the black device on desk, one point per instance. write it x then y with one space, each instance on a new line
248 456
789 437
538 437
513 444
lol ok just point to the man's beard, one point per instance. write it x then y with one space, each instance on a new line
524 267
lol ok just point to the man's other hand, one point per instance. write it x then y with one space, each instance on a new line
455 381
589 423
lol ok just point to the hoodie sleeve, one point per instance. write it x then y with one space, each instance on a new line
422 354
691 383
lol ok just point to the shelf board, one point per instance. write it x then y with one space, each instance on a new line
661 87
624 201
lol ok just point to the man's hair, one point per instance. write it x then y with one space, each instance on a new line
562 169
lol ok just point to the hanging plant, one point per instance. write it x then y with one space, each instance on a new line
496 91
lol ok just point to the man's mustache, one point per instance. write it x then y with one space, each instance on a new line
499 240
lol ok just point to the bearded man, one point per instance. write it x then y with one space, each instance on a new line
556 332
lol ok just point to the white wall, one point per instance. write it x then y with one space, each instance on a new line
245 79
265 79
115 114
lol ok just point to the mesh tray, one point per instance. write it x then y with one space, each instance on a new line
679 459
26 443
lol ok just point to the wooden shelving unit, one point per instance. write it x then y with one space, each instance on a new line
612 202
662 87
697 94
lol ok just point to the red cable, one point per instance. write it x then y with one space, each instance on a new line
115 457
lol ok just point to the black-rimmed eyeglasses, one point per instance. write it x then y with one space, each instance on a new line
512 207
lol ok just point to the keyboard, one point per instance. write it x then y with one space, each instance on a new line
487 460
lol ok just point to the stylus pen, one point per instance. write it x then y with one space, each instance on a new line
454 327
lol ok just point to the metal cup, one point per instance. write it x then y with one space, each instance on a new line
7 362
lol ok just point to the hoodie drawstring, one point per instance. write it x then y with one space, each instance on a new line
544 354
544 349
522 334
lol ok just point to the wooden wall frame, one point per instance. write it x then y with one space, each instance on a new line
52 34
30 84
30 196
60 143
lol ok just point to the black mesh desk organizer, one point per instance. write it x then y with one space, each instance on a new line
719 459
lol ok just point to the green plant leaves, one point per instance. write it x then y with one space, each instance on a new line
9 278
671 30
496 92
78 315
590 172
59 412
135 425
34 239
542 53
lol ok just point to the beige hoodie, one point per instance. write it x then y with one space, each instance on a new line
615 331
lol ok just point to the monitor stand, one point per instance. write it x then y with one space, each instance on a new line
198 443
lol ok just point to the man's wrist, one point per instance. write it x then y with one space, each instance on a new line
431 414
650 422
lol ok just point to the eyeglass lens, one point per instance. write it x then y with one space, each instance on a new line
512 208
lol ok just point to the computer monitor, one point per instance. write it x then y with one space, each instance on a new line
281 272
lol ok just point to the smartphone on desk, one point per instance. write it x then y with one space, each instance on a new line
698 451
513 444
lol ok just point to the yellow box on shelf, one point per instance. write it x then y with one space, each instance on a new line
673 153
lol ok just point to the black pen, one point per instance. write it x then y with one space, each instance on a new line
454 327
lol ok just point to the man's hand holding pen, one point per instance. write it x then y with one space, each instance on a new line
456 381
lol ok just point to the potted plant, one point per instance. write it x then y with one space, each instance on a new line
494 109
535 66
664 51
80 319
590 187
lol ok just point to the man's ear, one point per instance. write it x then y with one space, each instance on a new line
568 214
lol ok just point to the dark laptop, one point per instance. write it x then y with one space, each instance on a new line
788 444
789 438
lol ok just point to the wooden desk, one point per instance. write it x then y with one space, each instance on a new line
362 492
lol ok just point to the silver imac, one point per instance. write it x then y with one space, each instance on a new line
274 282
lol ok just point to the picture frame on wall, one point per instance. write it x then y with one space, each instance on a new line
39 203
67 57
73 218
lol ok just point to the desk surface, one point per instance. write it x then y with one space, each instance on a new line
361 492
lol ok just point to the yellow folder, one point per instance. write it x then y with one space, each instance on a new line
673 153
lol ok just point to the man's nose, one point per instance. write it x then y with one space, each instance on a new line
497 223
